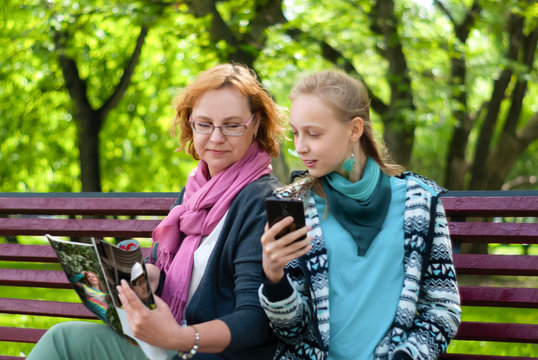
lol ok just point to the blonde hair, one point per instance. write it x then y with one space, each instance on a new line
271 129
349 99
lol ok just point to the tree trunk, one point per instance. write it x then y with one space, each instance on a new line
479 171
90 121
399 130
90 169
456 165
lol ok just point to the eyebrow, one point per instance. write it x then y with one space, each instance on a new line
308 127
226 119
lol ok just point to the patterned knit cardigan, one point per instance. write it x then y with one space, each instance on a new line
428 312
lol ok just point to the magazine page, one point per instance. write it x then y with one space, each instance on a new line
83 269
95 270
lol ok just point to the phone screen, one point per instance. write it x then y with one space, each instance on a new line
278 209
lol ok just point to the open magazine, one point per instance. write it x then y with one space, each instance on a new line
95 270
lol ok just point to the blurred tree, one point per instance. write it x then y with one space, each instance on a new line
452 83
516 130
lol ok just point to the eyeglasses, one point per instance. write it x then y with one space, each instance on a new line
226 130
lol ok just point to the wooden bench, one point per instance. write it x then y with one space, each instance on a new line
129 215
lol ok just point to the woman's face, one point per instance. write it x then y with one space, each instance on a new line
321 139
92 279
221 107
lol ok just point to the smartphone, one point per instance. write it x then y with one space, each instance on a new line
278 209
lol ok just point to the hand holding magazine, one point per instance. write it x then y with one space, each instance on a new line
95 270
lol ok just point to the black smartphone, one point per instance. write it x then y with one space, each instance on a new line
278 209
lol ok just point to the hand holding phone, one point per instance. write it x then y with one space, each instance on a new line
278 209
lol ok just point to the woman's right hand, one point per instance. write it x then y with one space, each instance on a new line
278 252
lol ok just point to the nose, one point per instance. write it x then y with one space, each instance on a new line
216 136
300 145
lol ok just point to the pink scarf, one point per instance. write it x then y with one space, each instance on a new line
204 204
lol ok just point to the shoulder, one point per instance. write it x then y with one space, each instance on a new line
252 197
260 188
179 199
298 189
419 183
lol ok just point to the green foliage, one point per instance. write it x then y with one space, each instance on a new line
38 126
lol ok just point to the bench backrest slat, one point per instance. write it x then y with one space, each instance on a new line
20 334
480 357
35 253
45 308
78 227
499 296
86 206
510 265
28 253
34 278
482 331
479 206
491 233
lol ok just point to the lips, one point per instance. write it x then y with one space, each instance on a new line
309 163
216 152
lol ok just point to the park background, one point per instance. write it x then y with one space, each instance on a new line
86 90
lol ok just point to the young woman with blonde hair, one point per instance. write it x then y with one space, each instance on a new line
374 278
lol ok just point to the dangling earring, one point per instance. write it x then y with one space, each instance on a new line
349 163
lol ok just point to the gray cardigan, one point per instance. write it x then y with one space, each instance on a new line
228 290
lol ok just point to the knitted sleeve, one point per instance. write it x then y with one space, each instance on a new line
438 304
290 317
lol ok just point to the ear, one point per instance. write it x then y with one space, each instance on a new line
256 123
357 128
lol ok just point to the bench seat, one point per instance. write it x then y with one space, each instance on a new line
474 217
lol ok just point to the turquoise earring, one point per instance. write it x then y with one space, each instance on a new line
349 163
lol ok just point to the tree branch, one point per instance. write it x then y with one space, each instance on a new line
334 56
444 9
128 71
499 89
219 30
529 133
520 89
76 86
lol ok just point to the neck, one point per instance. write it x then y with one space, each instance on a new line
358 169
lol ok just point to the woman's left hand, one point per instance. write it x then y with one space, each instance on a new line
156 327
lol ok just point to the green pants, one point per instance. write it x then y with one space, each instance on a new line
84 340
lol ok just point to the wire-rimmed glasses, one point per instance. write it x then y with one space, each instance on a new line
226 130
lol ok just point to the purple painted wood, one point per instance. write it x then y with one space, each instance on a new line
482 357
518 265
28 253
491 233
491 206
85 206
457 207
45 308
78 227
34 253
499 296
34 278
20 335
483 331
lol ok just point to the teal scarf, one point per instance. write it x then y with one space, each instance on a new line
359 207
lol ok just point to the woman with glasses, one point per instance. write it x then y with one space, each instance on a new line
208 253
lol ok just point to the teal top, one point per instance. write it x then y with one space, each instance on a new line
363 290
